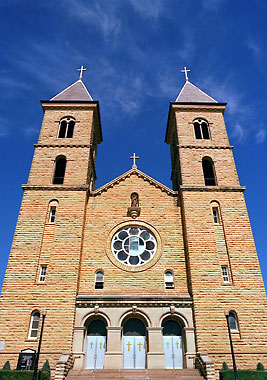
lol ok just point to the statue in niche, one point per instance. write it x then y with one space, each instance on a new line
134 200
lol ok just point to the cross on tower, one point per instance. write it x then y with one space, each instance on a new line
185 71
134 157
81 72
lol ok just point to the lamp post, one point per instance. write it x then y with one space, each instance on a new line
226 313
39 347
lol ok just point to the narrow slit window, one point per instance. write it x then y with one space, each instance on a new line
168 278
66 128
42 275
215 213
208 171
225 273
60 167
52 216
34 324
99 279
233 321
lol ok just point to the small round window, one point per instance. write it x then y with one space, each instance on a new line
134 245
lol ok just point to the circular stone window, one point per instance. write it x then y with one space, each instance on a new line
134 245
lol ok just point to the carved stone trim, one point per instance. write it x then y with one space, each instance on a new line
134 212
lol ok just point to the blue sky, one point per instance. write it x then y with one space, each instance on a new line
133 51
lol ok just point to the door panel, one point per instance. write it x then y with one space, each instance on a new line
134 352
95 352
172 346
140 352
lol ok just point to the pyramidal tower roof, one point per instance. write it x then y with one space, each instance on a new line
192 94
75 92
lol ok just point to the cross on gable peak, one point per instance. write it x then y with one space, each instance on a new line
134 157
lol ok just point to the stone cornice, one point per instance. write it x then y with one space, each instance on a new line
140 174
211 188
62 145
56 187
206 146
88 300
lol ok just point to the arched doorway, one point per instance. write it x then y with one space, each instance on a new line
96 344
172 344
134 344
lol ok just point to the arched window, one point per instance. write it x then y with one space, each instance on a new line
168 278
34 324
66 127
201 129
233 320
60 166
208 171
99 279
52 211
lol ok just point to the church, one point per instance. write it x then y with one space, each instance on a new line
133 276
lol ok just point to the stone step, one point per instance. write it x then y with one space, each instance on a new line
136 374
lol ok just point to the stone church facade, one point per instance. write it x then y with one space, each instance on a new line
133 274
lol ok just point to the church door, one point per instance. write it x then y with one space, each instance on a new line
96 345
172 344
134 344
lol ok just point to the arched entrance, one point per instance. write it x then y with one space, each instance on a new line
172 344
134 344
96 344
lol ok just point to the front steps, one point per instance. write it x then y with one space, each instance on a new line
134 374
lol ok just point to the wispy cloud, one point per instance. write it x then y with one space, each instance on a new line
148 8
261 135
254 47
188 45
212 5
239 133
105 18
3 127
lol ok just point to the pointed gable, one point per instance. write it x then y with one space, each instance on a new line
192 94
75 92
139 174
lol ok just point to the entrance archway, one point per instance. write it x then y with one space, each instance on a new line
96 344
172 344
134 344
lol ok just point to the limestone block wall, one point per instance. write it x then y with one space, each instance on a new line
83 116
208 249
107 210
56 245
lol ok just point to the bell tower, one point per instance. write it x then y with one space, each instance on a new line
43 268
222 264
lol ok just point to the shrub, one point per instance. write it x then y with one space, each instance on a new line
46 367
7 366
243 375
225 366
20 375
260 367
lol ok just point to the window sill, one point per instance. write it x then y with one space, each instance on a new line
227 284
31 339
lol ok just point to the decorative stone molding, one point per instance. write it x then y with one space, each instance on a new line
63 366
206 366
212 188
134 212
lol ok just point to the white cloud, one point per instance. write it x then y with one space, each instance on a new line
254 47
187 50
105 18
148 8
212 5
3 127
239 133
261 136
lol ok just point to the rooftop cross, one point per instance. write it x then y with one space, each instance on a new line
134 157
81 72
185 71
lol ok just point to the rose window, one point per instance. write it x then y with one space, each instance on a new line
134 245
